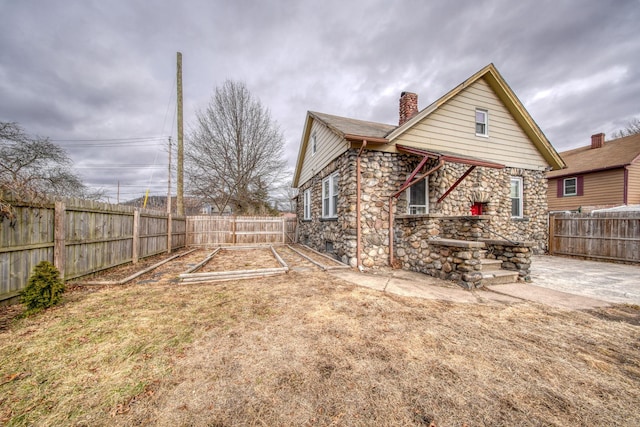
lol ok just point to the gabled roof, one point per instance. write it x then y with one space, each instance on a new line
613 154
352 129
493 78
344 126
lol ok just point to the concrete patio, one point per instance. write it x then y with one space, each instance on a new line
558 282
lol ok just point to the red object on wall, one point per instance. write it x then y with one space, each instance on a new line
476 209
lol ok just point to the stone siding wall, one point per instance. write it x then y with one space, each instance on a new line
492 187
337 237
384 173
438 259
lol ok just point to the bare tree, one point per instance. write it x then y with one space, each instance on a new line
285 196
632 128
234 152
34 167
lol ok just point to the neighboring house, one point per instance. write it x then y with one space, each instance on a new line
600 175
470 165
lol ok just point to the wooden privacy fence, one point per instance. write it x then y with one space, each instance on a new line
608 236
241 230
80 237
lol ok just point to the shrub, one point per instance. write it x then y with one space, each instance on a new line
44 289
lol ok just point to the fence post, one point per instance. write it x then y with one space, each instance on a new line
233 230
169 229
552 232
284 231
136 236
59 249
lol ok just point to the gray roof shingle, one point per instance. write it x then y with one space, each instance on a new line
347 126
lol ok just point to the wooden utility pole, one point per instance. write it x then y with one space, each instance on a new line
180 172
169 181
169 219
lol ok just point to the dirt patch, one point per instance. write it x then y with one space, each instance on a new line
309 349
324 260
240 259
8 313
293 260
123 271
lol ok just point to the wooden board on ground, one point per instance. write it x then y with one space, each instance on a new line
294 260
324 261
231 264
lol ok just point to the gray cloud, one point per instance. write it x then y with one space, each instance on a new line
106 70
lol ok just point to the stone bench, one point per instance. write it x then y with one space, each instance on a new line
457 243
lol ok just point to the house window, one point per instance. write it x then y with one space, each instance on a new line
307 203
516 197
482 122
330 196
314 144
570 187
418 198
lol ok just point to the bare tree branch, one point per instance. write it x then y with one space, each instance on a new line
234 154
32 168
632 128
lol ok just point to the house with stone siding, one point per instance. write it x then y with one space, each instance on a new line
455 190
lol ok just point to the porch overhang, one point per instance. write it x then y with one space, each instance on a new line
442 157
454 158
415 177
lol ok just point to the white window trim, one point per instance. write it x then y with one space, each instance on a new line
486 122
314 144
329 198
426 198
575 186
307 203
520 195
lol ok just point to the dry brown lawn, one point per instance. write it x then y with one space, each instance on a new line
309 349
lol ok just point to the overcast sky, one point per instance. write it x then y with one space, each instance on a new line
104 71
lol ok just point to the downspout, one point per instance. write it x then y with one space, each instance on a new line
626 185
395 196
358 196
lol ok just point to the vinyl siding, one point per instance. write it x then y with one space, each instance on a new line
329 147
633 194
600 189
451 129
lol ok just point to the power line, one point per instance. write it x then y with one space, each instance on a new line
120 167
131 139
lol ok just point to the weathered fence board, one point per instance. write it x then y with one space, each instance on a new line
604 236
178 233
80 237
231 230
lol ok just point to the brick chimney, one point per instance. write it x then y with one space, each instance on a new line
408 106
597 140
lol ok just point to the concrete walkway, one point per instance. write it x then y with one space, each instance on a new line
419 285
616 283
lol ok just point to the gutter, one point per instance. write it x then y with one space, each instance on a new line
584 172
